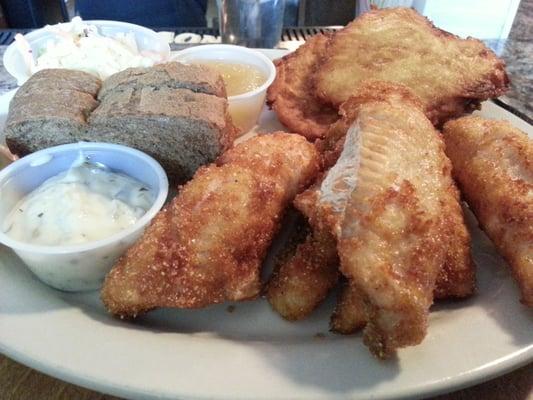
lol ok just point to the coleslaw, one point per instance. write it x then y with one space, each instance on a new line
77 45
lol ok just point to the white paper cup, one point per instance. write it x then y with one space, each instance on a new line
244 108
84 266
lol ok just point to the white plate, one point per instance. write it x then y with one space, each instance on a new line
253 353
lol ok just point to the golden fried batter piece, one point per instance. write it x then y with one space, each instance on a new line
456 279
493 165
207 246
291 94
450 75
349 314
304 277
384 199
333 142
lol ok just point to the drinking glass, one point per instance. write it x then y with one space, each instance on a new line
251 23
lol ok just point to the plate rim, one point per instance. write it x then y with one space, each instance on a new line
472 378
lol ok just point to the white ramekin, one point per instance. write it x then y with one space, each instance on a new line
244 108
84 266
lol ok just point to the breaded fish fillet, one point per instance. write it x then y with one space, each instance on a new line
384 199
450 75
456 278
291 94
304 277
349 315
207 246
493 165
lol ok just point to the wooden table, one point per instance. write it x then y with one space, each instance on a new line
18 382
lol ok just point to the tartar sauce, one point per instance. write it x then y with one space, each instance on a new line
85 203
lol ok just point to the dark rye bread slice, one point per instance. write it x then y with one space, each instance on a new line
51 108
56 80
43 119
174 75
145 108
182 129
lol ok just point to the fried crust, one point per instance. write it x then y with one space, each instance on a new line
456 278
207 246
385 201
291 94
450 75
493 166
349 314
309 270
303 280
331 145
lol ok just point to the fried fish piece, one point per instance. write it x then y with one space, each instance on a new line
207 246
456 279
450 75
304 277
493 165
291 95
349 314
384 199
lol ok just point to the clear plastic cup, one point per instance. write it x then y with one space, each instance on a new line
147 40
251 23
83 266
245 108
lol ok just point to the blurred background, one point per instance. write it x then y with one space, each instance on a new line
484 19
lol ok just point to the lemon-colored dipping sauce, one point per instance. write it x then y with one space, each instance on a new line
238 78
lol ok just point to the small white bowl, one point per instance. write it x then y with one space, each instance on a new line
147 40
244 108
84 266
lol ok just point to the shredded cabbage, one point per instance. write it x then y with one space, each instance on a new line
77 45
